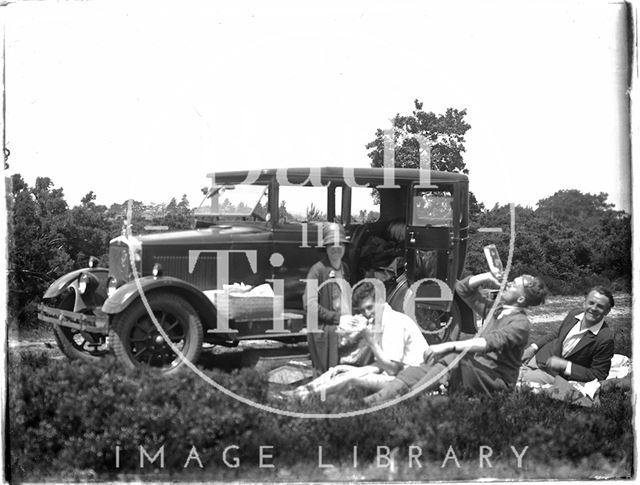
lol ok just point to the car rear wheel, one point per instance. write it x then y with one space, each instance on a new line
136 341
78 344
438 325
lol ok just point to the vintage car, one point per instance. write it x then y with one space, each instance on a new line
404 226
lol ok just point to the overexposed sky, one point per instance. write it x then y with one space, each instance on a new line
143 100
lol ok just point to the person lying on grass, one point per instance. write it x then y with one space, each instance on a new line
492 361
580 350
395 343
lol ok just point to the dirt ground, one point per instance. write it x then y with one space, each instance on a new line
556 308
267 354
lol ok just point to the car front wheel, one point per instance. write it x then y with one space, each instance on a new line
136 341
79 344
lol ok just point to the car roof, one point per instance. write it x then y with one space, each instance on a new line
368 175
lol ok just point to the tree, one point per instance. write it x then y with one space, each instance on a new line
227 207
575 208
573 240
315 214
117 215
183 206
87 230
612 250
87 200
172 206
178 215
51 201
445 133
37 245
475 208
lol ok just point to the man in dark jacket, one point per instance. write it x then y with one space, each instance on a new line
492 359
580 350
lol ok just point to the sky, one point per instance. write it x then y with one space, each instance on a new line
144 100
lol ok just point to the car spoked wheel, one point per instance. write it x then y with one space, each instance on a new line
148 346
438 325
78 344
137 341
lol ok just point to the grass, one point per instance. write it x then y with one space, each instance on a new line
68 417
398 471
566 442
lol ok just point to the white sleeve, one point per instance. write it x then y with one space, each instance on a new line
415 344
393 343
567 371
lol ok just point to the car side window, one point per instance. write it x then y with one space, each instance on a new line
364 206
302 204
432 208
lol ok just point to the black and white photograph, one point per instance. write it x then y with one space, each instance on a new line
335 242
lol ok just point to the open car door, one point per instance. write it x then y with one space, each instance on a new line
431 244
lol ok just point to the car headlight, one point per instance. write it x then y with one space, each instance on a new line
87 283
157 270
112 286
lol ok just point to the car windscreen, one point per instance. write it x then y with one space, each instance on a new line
235 200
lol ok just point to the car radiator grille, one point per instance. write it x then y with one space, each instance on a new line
203 276
119 265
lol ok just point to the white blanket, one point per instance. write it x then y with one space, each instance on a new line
620 367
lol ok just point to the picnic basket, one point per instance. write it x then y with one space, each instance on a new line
245 305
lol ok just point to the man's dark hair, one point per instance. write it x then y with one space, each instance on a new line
361 293
535 291
603 290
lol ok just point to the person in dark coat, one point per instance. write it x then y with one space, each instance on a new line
493 357
331 302
580 350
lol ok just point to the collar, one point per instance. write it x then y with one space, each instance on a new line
505 310
384 309
329 268
326 262
596 328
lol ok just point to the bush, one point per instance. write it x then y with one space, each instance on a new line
66 419
572 240
76 414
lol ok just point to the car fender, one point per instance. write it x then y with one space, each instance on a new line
61 284
128 293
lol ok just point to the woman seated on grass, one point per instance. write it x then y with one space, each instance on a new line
395 341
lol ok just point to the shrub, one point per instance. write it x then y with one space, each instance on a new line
76 414
66 419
